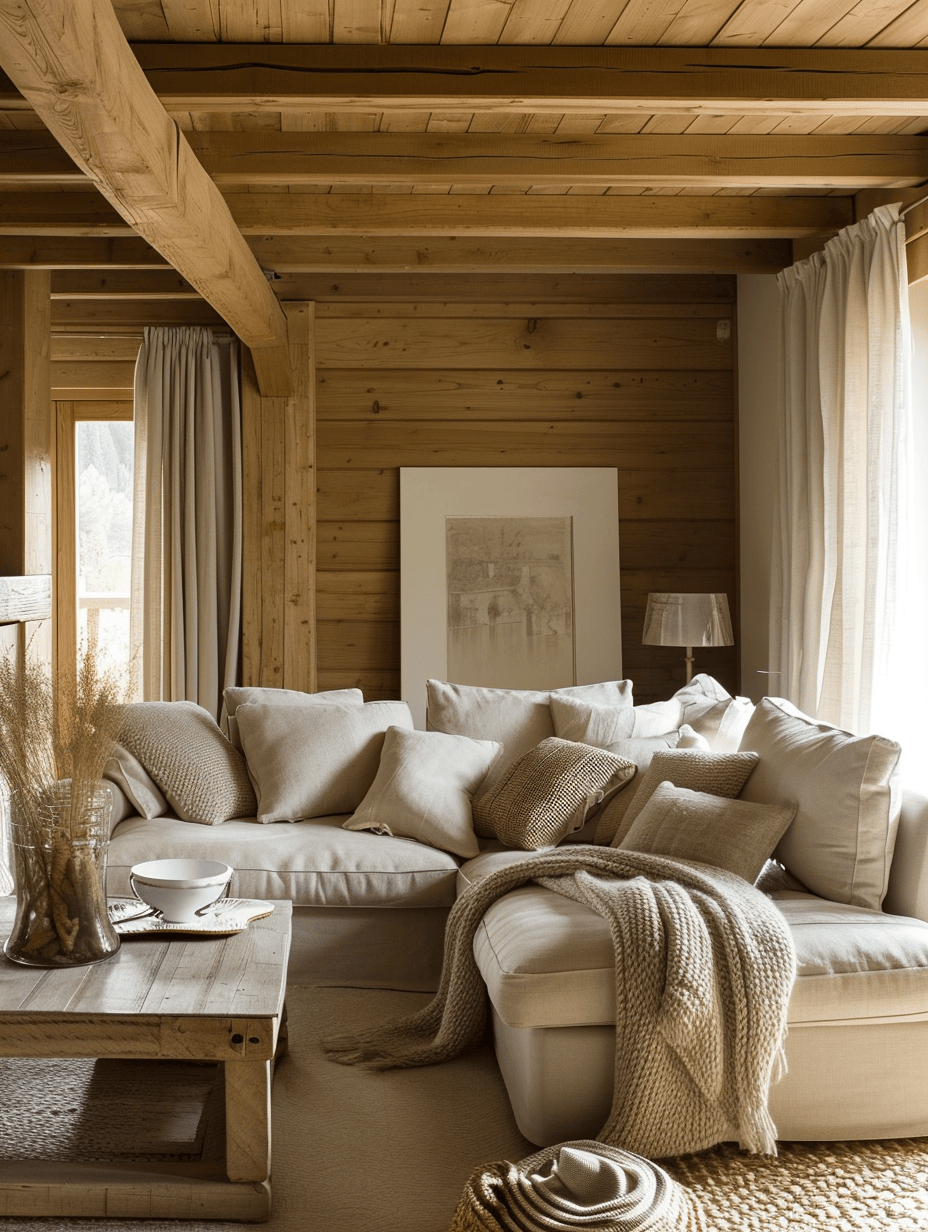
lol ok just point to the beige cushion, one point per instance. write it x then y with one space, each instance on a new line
128 773
590 723
711 710
640 750
548 961
314 863
240 695
517 718
311 761
656 718
549 792
203 777
693 825
840 844
719 774
424 787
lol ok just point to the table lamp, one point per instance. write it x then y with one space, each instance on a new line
687 620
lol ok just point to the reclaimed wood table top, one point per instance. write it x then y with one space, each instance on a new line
180 996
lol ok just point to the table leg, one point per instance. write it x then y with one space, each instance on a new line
248 1120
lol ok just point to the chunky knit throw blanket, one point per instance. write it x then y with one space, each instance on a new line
704 964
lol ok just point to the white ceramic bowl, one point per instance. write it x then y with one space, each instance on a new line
178 889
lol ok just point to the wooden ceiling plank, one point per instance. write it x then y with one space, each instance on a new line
809 21
276 77
642 22
356 22
79 74
863 22
754 24
54 252
186 22
534 22
337 255
910 28
698 23
476 21
422 22
121 285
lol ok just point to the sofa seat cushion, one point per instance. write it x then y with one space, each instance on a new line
547 961
314 863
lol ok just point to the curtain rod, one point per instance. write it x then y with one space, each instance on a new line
920 201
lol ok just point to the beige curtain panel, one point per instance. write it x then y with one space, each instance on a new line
187 522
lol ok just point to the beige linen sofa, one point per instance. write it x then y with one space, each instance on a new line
371 902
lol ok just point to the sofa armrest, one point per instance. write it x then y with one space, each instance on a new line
907 893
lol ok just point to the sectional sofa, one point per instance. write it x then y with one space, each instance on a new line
372 829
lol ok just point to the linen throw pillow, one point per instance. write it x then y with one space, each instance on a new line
313 761
840 843
693 825
423 789
719 774
548 792
239 695
712 711
589 723
203 777
128 773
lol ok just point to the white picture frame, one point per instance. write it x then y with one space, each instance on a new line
430 495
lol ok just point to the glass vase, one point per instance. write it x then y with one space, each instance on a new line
60 846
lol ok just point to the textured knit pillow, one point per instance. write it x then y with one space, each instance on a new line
314 761
203 777
240 695
424 787
692 825
719 774
548 792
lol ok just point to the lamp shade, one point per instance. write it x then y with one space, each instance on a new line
687 620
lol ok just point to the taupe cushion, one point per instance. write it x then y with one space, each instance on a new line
548 793
424 788
314 863
640 750
240 695
312 761
128 773
719 774
693 825
840 843
203 777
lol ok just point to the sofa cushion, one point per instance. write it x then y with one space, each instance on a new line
548 792
693 825
590 723
128 773
312 761
840 843
240 695
711 710
548 961
314 863
424 787
719 774
518 718
640 750
203 777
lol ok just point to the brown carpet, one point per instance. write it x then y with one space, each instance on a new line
356 1151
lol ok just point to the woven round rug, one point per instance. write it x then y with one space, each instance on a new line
838 1186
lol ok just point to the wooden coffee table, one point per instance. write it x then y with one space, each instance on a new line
194 998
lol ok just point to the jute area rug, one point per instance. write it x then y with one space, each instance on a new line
364 1152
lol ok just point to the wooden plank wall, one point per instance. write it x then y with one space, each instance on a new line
635 372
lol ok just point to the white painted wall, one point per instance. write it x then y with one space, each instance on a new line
758 396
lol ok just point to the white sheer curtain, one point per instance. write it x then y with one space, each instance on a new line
187 519
838 613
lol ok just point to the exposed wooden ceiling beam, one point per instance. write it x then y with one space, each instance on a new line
118 284
57 252
295 158
74 67
389 214
440 254
642 80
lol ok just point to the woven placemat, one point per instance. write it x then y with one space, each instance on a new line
838 1186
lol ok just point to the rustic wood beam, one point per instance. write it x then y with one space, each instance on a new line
56 252
294 158
75 68
642 80
391 214
513 254
118 284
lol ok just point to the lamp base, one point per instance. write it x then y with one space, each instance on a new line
689 664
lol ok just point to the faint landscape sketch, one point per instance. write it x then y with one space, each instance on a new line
510 601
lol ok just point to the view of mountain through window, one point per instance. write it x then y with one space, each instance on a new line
104 465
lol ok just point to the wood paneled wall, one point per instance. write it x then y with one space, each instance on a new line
631 372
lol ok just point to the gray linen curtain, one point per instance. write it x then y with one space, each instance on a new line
187 521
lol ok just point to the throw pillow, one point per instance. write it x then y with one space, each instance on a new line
128 773
548 792
203 777
423 789
719 774
640 750
656 718
589 723
840 844
693 825
314 761
239 695
714 713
